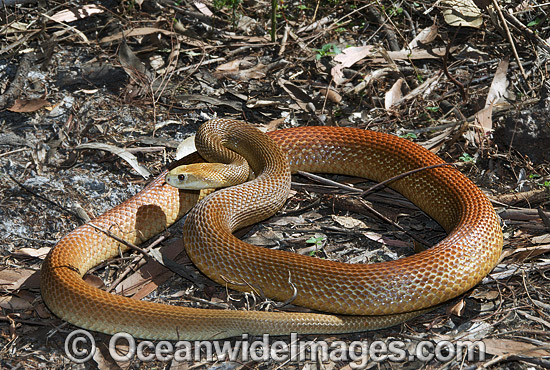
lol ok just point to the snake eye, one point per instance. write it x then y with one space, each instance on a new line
181 177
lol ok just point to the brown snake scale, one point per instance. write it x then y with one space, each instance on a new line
360 297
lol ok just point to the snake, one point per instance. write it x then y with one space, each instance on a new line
343 297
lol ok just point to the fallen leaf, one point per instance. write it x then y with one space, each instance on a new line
331 95
541 239
458 308
394 95
234 70
424 89
150 275
13 279
203 8
22 105
350 56
301 98
186 147
523 254
143 31
502 346
489 295
133 66
484 120
14 303
498 90
463 13
349 222
94 281
425 36
415 54
73 14
122 153
32 252
346 59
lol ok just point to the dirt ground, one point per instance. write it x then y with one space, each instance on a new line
97 97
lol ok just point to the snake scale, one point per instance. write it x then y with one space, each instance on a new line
357 296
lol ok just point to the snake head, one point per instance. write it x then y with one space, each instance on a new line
198 176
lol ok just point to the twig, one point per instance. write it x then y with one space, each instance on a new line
32 192
391 222
517 23
446 70
326 181
121 241
510 39
140 263
400 176
150 256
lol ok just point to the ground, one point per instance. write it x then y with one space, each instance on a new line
141 76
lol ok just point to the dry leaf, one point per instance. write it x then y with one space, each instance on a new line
303 100
424 89
150 275
13 279
23 105
331 95
133 66
522 254
458 308
415 54
94 281
233 70
137 32
498 90
425 36
541 239
502 346
32 252
203 8
394 95
484 120
350 56
14 303
346 59
489 295
73 14
464 13
186 147
124 154
349 222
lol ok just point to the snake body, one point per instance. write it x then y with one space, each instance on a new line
359 297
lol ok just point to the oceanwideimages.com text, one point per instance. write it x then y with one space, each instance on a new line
80 347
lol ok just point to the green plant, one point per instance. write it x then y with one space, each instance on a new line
407 135
432 109
230 4
274 4
327 49
535 176
395 11
318 240
535 22
465 157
